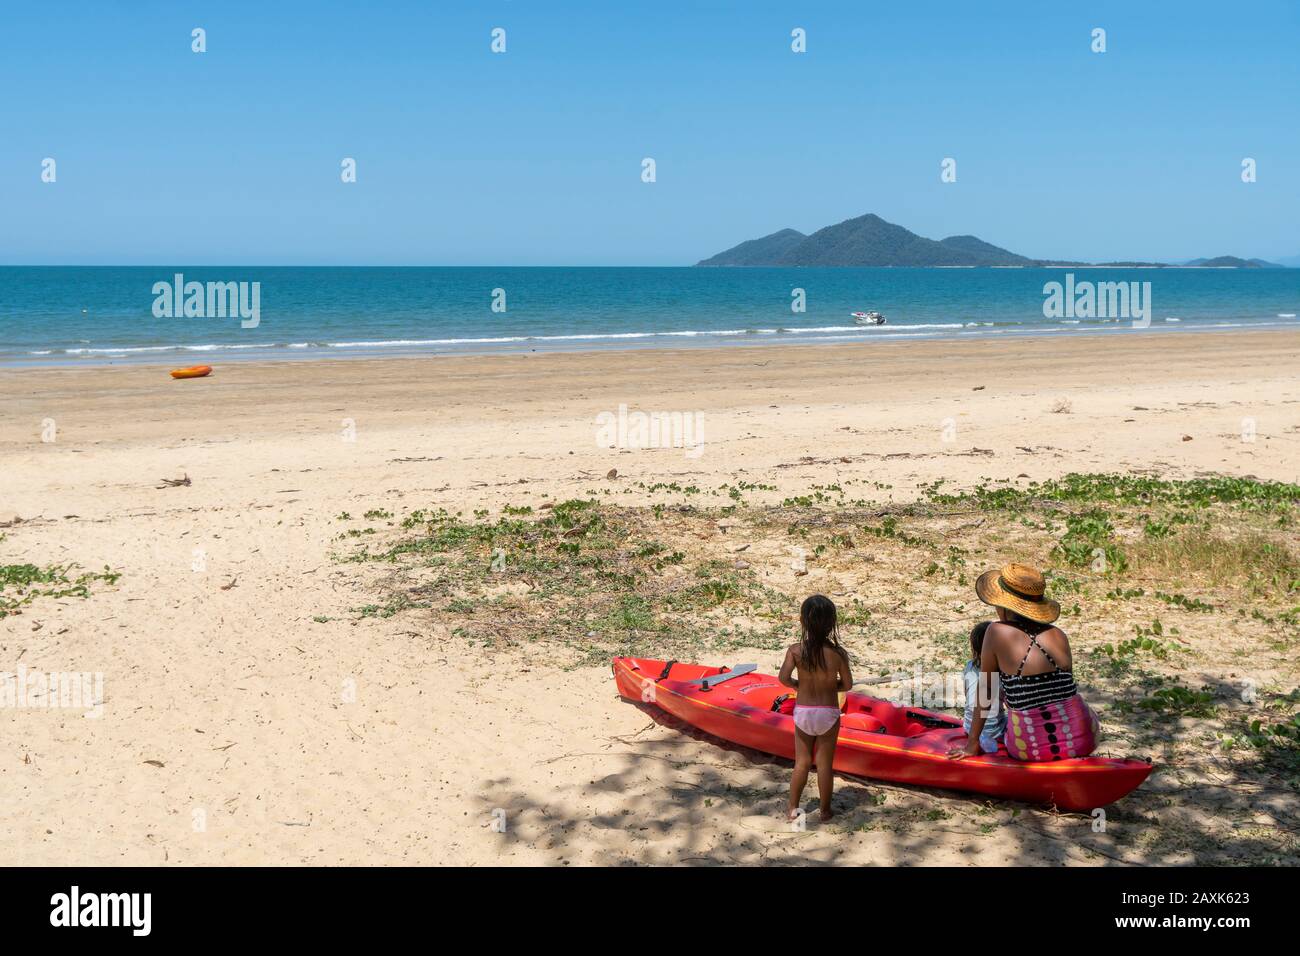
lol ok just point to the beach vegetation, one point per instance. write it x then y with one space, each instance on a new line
21 584
1198 589
1176 700
1273 734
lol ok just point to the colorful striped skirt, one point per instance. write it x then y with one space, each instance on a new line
1067 728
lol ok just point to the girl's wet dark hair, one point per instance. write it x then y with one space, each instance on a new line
977 639
818 620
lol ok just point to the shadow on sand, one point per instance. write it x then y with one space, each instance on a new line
670 793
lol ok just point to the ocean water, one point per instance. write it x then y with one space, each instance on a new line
85 315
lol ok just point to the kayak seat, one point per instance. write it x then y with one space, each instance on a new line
863 722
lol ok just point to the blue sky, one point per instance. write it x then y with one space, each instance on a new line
533 157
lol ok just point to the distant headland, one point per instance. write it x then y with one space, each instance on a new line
871 241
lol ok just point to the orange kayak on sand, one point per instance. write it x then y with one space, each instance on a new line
877 738
194 371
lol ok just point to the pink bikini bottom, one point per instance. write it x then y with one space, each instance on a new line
815 719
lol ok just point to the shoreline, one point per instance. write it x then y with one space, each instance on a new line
617 343
546 405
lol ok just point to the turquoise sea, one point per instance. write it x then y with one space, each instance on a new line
82 315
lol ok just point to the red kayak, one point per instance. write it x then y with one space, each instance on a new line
877 739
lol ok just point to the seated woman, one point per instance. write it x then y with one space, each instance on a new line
1029 659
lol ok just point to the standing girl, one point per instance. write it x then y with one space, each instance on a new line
823 668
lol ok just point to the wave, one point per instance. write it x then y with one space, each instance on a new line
213 347
501 339
820 333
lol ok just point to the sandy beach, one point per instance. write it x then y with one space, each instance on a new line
254 712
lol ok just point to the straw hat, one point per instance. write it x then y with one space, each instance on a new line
1019 588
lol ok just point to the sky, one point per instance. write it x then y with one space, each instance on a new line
534 156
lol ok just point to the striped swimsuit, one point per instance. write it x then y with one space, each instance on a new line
1046 717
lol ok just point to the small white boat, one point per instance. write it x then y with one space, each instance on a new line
868 318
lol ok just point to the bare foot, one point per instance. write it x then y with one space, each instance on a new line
826 815
792 814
